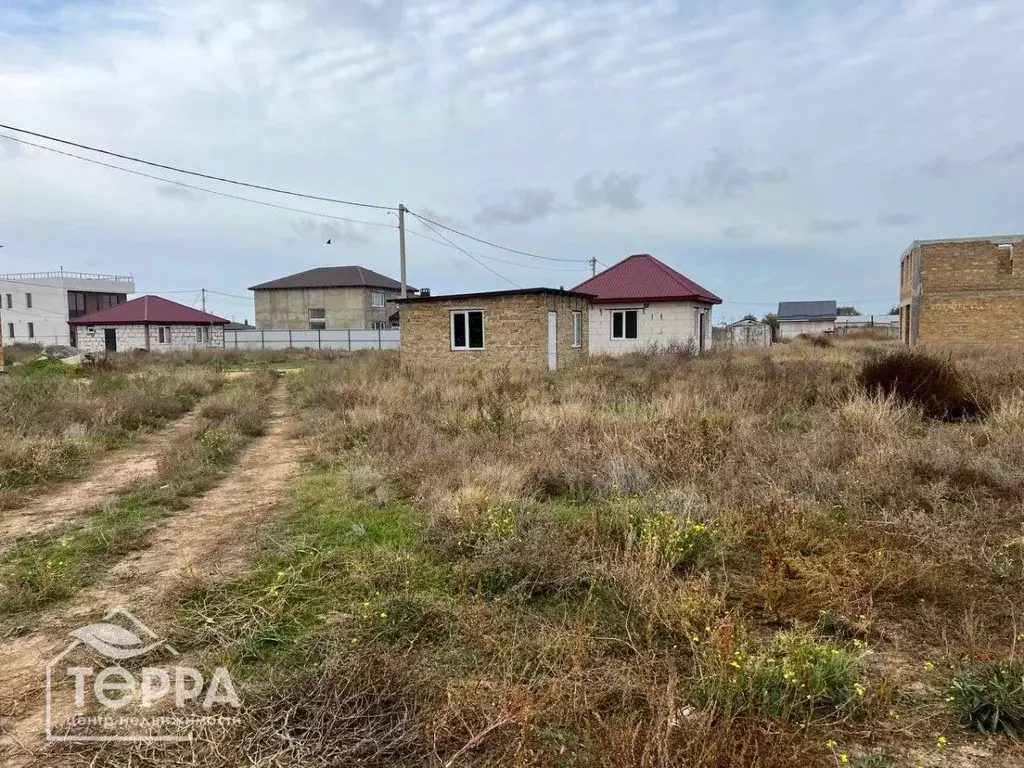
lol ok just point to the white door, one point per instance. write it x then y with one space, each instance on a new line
552 340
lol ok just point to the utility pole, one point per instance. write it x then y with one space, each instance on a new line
203 292
401 247
593 266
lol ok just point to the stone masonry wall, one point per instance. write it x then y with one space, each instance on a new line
515 331
134 337
970 295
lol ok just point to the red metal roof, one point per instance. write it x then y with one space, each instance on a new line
641 277
149 309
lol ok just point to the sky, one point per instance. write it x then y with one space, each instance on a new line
770 150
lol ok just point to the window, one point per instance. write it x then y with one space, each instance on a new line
163 334
377 299
577 329
624 322
468 329
317 314
28 301
31 330
317 325
378 325
202 334
10 326
10 301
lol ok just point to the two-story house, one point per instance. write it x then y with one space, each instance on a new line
350 297
36 307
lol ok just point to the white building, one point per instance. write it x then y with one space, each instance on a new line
152 323
641 303
35 307
805 317
747 333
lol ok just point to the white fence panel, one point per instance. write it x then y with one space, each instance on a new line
328 339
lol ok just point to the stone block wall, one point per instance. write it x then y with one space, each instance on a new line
133 336
287 309
515 331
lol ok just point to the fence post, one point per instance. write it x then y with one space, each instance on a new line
349 332
320 338
236 339
263 339
290 338
378 340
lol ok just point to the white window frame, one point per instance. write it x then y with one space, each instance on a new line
163 334
577 328
202 334
31 330
451 330
321 316
10 301
318 325
10 330
377 299
28 301
624 337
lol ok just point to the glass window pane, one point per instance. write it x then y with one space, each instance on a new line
476 330
631 324
616 325
459 331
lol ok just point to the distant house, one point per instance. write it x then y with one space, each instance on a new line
149 322
809 317
746 333
350 297
233 326
37 306
534 328
641 303
965 291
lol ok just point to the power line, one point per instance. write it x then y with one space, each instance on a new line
193 186
492 271
449 244
193 173
425 220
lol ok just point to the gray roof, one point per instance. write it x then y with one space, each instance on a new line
333 277
807 310
239 327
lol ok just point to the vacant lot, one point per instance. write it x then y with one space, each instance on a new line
749 559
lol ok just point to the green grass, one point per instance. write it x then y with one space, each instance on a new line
43 568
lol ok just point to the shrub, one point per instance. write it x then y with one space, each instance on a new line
930 383
989 696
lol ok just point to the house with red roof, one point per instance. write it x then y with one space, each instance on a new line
152 323
642 303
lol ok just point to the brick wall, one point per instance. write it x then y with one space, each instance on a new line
134 337
969 294
658 324
515 331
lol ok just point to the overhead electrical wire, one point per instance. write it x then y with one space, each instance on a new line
495 258
471 256
187 172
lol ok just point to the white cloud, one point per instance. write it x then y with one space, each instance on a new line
788 123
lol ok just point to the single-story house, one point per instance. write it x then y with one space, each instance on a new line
747 333
641 303
805 317
535 328
148 322
243 326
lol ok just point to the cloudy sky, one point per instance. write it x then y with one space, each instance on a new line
770 150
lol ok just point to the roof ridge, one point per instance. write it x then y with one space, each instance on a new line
675 274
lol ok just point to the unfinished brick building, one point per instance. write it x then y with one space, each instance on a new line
966 291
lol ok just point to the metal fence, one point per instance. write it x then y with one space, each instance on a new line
344 339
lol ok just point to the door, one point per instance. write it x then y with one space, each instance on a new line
110 339
552 340
700 330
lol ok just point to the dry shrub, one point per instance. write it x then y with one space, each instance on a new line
933 384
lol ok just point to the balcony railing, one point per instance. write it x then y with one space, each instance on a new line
74 275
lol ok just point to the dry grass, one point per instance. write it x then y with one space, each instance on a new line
741 559
53 423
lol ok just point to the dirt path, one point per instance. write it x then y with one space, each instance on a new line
205 539
108 478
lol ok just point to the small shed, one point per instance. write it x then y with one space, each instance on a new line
747 333
149 322
535 328
806 317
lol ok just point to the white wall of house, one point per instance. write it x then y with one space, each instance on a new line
48 314
91 338
658 324
790 329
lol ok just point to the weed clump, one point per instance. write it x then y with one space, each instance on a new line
989 697
930 383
